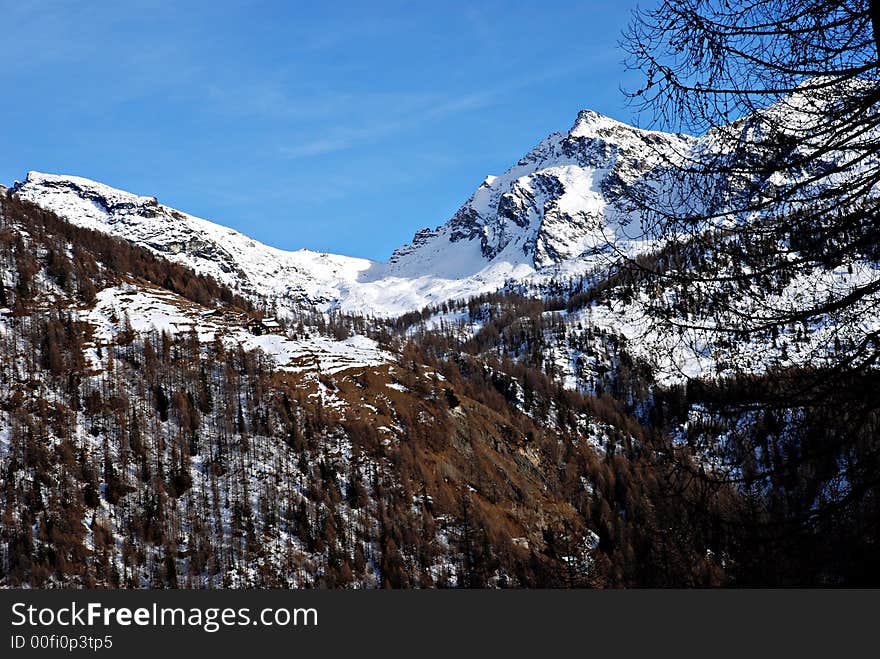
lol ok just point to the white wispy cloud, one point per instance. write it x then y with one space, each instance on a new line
338 138
404 113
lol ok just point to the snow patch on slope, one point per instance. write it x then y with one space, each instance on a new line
147 309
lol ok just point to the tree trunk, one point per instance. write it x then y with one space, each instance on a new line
874 11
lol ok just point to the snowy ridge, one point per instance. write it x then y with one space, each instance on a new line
556 204
243 264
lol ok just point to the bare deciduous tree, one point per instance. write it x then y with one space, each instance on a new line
769 220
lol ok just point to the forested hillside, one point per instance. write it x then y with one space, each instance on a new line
470 455
159 460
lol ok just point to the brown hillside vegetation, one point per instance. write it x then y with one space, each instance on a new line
176 463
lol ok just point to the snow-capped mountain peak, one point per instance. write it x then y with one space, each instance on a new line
557 202
561 202
591 124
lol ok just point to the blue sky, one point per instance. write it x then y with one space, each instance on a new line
341 127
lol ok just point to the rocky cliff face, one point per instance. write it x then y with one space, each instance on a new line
561 200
